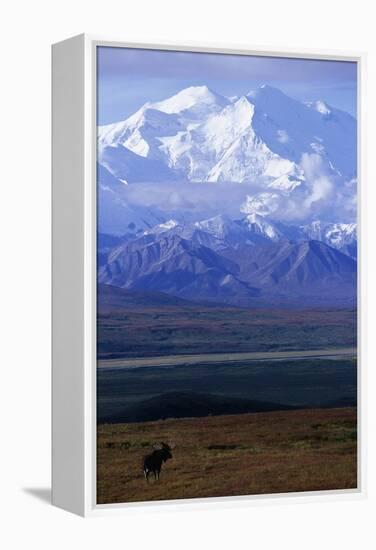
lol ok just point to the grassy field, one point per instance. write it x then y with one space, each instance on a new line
258 453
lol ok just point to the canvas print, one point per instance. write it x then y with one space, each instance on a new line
226 275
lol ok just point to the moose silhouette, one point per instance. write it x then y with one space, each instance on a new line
152 463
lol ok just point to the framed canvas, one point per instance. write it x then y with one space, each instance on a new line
207 294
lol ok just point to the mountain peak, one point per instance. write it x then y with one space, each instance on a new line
243 100
218 224
162 227
189 97
199 135
197 90
267 87
264 91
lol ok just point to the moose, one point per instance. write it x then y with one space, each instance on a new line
152 462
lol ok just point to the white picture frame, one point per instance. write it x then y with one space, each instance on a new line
74 278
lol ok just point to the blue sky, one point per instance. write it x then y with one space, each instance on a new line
127 78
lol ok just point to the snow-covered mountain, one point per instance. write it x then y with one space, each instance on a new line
293 159
212 198
334 234
342 236
198 135
255 229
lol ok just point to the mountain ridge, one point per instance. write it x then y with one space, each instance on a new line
280 168
295 160
239 269
266 126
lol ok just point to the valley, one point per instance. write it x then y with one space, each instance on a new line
201 388
143 324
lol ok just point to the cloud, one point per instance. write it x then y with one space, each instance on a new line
192 200
322 195
320 187
282 136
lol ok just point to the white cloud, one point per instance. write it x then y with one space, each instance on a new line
282 136
322 195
